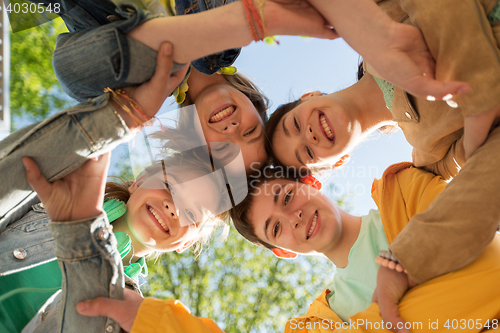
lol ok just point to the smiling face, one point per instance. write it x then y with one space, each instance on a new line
296 217
227 115
318 130
159 224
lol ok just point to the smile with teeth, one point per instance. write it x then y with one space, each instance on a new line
313 225
158 218
224 113
326 128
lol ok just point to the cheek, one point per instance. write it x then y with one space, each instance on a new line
210 134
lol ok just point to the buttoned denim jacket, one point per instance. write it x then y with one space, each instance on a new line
60 144
90 264
97 54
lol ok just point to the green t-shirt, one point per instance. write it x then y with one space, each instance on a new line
353 286
17 310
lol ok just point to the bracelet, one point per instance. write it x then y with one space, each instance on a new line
249 8
117 93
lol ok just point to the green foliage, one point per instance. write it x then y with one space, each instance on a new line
34 90
242 287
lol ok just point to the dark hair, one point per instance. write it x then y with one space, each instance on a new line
272 123
240 213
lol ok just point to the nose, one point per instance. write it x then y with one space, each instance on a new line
296 218
310 135
171 210
231 127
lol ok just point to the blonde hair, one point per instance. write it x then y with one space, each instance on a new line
188 160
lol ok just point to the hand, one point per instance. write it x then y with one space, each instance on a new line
477 128
123 312
391 286
388 263
151 94
406 62
76 196
297 18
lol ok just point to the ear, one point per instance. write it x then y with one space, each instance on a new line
344 159
310 95
284 254
186 246
132 188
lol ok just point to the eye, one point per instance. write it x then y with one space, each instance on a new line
296 124
191 215
169 187
287 197
309 152
250 132
276 229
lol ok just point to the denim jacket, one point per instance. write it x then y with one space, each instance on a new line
212 63
98 44
59 145
90 263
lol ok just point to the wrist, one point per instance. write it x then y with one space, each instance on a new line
127 108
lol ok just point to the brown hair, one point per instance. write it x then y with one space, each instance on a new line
283 109
271 126
249 89
240 213
174 139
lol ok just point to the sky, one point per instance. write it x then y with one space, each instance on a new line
299 65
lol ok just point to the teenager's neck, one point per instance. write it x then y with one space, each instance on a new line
198 81
365 102
139 251
339 254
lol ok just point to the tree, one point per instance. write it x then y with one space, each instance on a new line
35 92
242 287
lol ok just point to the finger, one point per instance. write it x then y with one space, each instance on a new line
164 65
104 162
36 180
123 312
385 262
390 313
176 79
131 295
430 89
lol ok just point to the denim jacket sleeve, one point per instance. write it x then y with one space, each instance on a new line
212 63
114 59
59 145
27 242
91 267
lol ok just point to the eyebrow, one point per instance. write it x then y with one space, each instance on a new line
287 133
276 196
257 137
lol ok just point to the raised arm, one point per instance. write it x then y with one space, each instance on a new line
397 52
